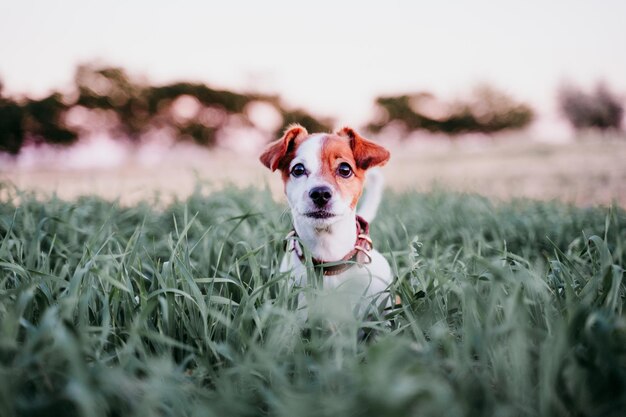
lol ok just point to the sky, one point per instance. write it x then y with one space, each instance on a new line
330 57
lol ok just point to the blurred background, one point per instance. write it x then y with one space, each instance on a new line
138 99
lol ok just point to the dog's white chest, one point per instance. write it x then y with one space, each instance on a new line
365 287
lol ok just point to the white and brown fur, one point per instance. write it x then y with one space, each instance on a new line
325 225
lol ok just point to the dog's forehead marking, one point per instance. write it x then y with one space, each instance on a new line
309 152
321 148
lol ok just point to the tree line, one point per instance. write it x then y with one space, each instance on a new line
133 108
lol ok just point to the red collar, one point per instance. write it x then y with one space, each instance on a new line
360 255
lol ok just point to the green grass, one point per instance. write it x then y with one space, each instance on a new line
511 309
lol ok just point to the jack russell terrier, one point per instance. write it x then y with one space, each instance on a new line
324 175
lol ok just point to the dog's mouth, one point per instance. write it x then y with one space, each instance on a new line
320 214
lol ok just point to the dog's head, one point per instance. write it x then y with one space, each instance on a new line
323 172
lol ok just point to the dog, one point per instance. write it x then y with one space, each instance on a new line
324 176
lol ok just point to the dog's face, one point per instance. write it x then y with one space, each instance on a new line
323 172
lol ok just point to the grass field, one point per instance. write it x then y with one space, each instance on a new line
510 309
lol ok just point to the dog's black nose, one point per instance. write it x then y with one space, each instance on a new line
320 195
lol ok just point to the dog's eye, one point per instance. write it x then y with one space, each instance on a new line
298 170
344 170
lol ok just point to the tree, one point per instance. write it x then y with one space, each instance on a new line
487 111
44 121
598 109
35 121
11 129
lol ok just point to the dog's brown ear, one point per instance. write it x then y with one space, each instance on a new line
367 154
276 151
